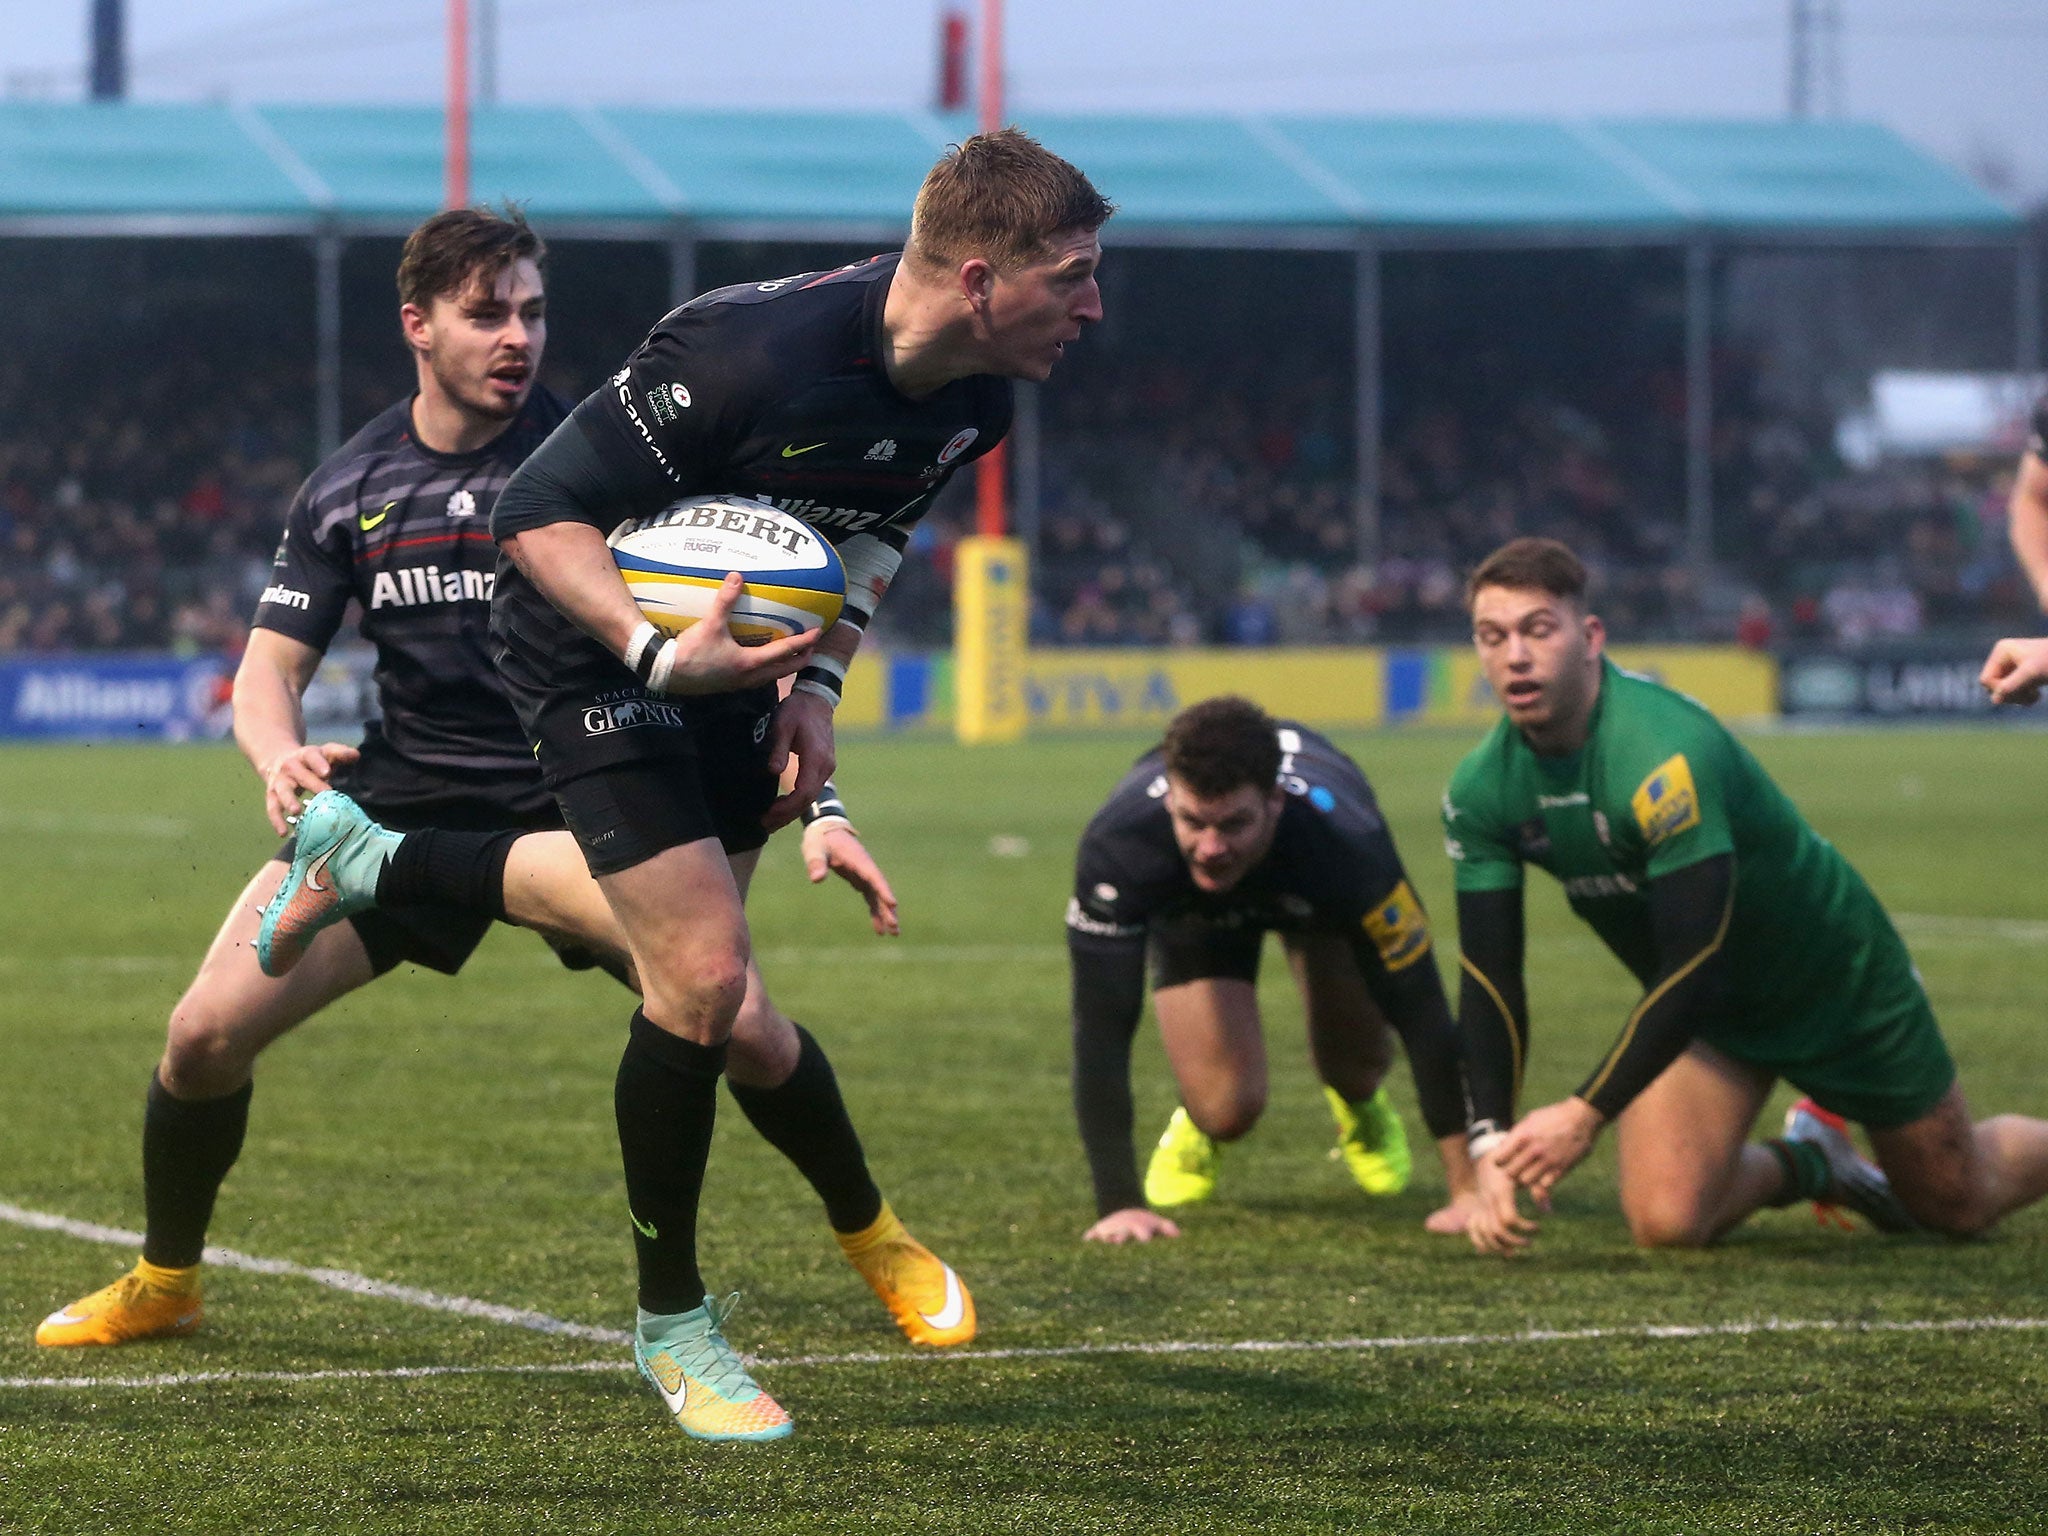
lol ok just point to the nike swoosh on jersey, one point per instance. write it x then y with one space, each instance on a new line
367 522
949 1315
790 450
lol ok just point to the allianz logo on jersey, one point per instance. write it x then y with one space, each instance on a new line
415 586
819 516
606 718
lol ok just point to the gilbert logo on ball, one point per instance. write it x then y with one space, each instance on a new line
675 560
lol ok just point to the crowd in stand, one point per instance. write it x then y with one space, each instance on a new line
1177 506
131 520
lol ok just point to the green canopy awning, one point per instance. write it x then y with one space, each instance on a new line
133 167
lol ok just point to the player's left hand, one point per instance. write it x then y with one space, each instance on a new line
802 729
1547 1143
834 848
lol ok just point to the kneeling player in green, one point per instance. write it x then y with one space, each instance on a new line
1762 955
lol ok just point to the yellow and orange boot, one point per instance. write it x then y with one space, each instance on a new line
151 1301
920 1290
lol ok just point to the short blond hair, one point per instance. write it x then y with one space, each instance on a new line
1004 197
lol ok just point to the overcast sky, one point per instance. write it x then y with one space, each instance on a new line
1962 78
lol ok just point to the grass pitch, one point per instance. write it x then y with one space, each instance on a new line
455 1136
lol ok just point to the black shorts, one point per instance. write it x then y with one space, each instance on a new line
407 797
1188 949
627 813
638 772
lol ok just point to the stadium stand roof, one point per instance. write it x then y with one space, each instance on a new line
140 168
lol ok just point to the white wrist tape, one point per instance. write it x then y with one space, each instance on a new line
640 648
662 667
812 685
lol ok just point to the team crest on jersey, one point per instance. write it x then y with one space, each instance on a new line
962 441
462 504
1398 928
665 400
1667 803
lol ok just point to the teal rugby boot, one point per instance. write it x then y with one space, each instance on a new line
339 854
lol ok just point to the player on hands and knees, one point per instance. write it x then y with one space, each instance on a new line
783 391
398 522
1761 952
1236 825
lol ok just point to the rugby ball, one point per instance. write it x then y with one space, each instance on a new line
675 560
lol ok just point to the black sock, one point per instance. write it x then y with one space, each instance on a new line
667 1100
448 869
805 1120
188 1146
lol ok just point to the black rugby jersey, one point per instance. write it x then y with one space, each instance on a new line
405 531
1333 869
773 390
2037 429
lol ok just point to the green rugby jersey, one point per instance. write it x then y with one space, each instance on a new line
1661 785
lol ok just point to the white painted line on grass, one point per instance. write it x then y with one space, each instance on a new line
1647 1332
231 1378
96 965
94 824
336 1279
1940 925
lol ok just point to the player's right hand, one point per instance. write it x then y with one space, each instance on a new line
297 774
706 659
2015 671
1133 1224
1495 1223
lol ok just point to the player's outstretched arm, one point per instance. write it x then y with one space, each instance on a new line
1690 910
270 724
2015 671
1108 980
1412 1000
832 846
1493 1025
